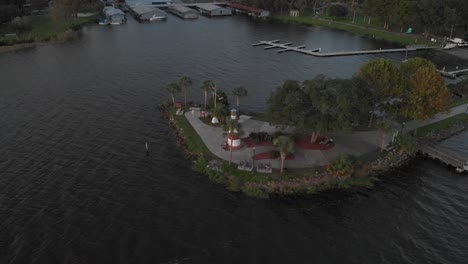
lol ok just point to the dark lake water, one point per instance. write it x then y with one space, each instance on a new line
76 186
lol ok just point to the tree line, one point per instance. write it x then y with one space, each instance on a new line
426 16
415 90
9 9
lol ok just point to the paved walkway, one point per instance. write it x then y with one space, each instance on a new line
356 143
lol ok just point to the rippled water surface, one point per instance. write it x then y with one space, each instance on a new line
76 186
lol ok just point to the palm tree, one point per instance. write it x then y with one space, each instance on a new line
173 88
206 87
220 112
285 146
186 83
239 92
233 129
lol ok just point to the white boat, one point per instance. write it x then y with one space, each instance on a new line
103 21
449 46
157 18
459 42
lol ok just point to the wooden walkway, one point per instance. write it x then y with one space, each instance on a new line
271 44
453 74
444 155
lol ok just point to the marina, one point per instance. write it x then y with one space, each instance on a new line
271 44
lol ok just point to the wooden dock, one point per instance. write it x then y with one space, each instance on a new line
446 156
453 74
271 44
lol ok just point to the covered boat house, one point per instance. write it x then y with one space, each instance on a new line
114 16
213 10
143 13
184 12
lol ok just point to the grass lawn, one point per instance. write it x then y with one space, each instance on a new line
193 141
46 29
458 101
356 28
443 124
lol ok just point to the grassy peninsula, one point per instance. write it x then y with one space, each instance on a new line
366 145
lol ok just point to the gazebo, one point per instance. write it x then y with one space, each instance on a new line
294 13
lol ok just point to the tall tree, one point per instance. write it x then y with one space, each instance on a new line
412 65
288 106
432 16
186 83
384 80
206 87
285 146
66 8
321 96
400 13
221 111
428 95
173 88
239 92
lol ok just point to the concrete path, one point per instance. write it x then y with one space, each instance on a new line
356 143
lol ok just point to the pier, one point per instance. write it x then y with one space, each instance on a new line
453 74
446 156
271 44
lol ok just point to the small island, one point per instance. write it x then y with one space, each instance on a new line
320 134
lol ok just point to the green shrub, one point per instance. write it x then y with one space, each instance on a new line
406 145
254 190
68 35
260 137
200 164
216 177
233 183
274 154
341 167
338 10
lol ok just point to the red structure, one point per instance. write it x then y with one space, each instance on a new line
250 10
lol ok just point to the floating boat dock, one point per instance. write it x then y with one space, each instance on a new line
453 74
444 155
271 44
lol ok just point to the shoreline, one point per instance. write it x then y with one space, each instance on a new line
369 32
17 47
296 182
48 36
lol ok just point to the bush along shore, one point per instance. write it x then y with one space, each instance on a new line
343 173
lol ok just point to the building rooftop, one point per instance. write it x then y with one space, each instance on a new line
182 9
110 11
141 9
208 6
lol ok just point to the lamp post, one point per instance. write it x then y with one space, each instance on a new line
253 155
402 127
